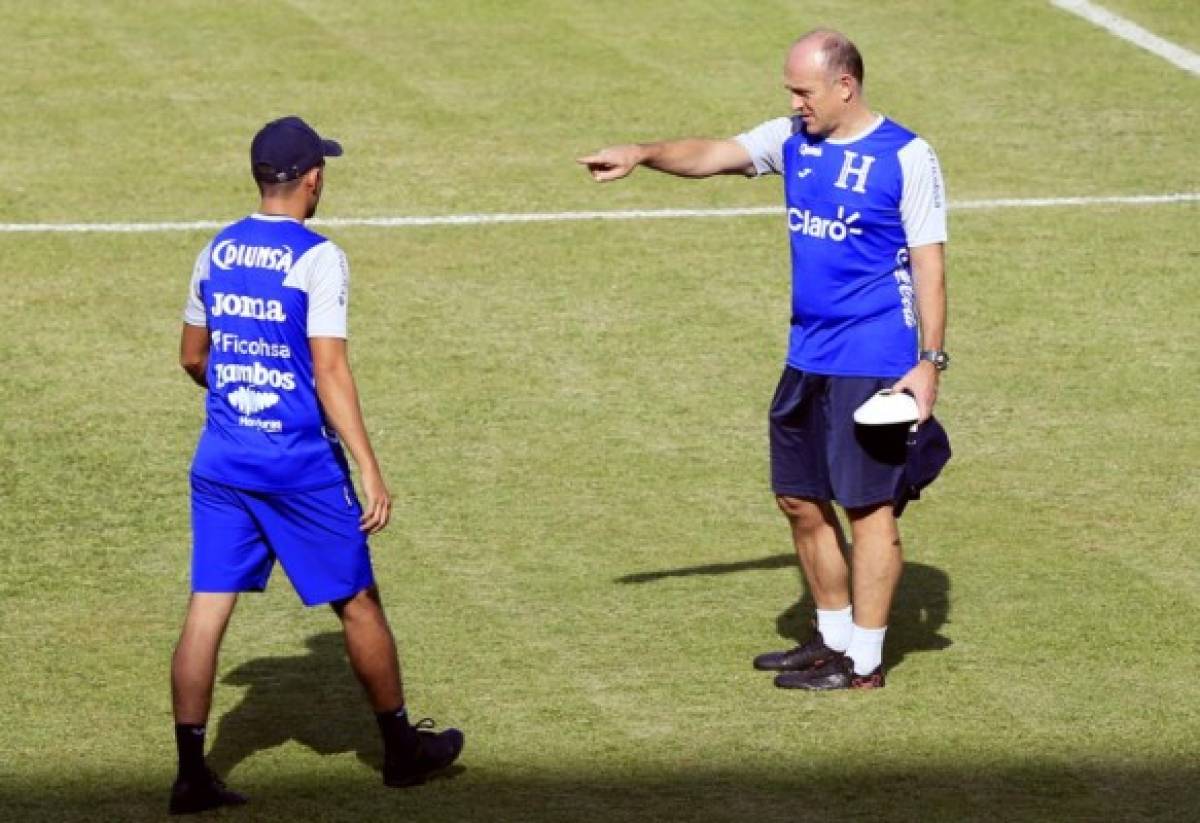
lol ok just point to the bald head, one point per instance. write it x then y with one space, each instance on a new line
829 50
824 74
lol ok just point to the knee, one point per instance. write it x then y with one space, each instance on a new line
208 613
363 605
805 515
875 525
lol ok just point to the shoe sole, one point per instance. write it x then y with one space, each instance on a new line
200 809
860 685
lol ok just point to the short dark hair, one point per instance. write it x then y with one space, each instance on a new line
267 188
841 55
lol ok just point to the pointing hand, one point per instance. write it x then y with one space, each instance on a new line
612 163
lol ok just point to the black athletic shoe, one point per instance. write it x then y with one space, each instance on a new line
810 655
836 674
200 793
434 751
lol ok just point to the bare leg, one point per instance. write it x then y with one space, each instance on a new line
194 666
820 548
878 561
372 649
410 754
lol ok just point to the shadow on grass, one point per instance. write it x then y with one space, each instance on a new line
889 788
921 608
311 698
775 561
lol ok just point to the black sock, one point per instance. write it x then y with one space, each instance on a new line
189 740
398 734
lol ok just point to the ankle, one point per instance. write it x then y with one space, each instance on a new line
189 742
836 626
398 734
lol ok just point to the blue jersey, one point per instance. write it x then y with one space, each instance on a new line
854 207
263 287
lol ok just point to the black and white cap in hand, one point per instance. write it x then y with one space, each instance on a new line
887 408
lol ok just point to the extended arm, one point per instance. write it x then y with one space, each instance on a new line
929 276
691 157
339 400
193 353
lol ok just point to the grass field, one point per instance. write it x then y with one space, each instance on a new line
585 554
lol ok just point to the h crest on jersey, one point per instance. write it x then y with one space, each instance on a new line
851 168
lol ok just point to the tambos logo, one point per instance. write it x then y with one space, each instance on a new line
229 253
256 374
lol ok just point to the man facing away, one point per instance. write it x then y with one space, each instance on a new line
866 216
265 333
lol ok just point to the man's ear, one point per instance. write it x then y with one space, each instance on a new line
312 178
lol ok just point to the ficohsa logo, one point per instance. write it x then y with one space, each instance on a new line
803 221
229 253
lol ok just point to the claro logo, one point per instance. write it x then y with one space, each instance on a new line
229 253
803 221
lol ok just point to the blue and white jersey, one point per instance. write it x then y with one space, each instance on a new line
854 209
263 287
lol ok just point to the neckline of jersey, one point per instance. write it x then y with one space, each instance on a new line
273 218
842 141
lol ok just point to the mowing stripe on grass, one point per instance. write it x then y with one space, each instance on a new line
567 216
1130 31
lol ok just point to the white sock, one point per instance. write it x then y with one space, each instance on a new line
836 626
866 649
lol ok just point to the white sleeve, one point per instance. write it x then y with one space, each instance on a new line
193 311
765 144
328 292
923 200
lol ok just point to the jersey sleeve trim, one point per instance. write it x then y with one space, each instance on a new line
764 144
328 287
923 198
193 310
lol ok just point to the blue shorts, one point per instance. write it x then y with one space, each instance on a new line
819 452
238 534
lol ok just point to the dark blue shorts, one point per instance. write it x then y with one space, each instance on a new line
819 452
237 535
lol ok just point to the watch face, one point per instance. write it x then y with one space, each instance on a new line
938 358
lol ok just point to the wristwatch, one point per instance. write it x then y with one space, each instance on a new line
939 358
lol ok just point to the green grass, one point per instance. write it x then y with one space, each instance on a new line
585 555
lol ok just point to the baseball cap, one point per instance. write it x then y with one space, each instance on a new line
887 408
926 453
286 148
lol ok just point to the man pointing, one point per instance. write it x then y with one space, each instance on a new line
866 216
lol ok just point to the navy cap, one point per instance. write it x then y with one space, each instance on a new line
286 148
927 451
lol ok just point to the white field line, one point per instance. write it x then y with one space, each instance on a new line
1128 30
567 216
